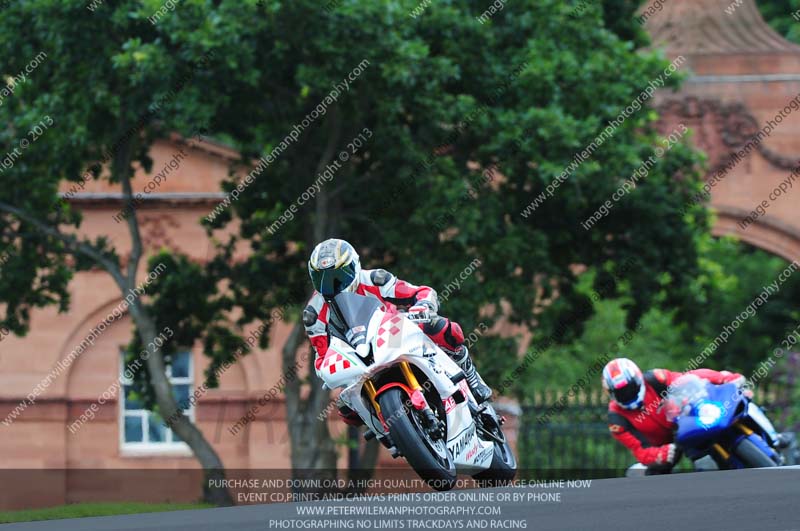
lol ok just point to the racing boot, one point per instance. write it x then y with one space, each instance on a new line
785 440
480 390
450 338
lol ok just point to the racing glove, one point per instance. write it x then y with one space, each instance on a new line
742 386
667 455
422 311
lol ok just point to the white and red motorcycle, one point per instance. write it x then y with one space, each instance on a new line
411 395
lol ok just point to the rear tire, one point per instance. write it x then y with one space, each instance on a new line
752 456
430 459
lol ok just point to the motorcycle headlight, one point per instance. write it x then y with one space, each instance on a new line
708 414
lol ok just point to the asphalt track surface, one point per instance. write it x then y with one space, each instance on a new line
762 500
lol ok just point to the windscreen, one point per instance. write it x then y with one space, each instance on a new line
355 312
683 394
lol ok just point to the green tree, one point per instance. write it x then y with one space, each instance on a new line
742 273
733 274
783 16
619 16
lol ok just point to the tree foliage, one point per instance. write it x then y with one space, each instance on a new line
783 16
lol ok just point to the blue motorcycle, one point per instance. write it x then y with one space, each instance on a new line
723 423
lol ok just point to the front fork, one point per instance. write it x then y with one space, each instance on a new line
722 452
414 391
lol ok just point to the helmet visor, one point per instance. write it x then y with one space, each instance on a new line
331 282
628 394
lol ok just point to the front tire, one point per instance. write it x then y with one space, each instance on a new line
429 458
752 456
504 465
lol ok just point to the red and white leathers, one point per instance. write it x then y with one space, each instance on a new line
385 287
645 431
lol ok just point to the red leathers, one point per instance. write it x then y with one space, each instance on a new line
645 431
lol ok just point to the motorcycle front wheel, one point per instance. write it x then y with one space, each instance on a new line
752 456
504 465
428 457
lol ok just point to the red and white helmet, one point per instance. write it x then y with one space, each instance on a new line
624 382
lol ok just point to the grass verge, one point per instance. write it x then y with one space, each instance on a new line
83 510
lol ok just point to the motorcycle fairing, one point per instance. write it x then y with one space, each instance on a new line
392 338
696 437
694 433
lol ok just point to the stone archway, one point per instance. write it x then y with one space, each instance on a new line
770 234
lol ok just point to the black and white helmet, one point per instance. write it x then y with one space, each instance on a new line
334 267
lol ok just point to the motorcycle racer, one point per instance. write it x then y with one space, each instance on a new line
635 417
334 267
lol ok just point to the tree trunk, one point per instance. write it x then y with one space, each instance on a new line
365 467
213 492
313 450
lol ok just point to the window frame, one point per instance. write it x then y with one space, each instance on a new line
146 447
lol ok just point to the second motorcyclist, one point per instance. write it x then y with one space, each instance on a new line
635 417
